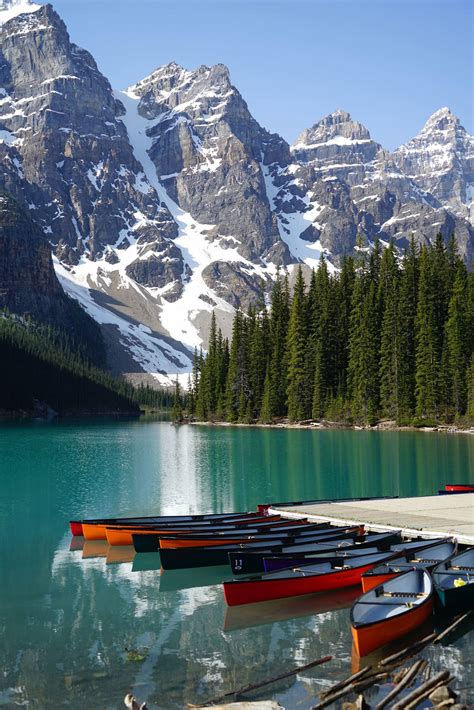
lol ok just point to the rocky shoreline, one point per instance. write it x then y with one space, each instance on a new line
324 425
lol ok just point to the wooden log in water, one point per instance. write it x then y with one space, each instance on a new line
349 687
256 686
403 683
364 684
457 622
347 681
414 648
422 691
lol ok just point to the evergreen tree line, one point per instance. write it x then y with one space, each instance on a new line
41 363
383 338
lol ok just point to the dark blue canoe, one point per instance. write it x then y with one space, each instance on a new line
454 581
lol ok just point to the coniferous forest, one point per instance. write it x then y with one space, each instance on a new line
45 366
384 338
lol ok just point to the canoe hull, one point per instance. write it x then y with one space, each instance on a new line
117 535
457 599
248 592
158 520
372 636
76 527
459 487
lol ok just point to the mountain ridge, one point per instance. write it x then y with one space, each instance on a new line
168 200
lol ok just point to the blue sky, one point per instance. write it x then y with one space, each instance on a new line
390 63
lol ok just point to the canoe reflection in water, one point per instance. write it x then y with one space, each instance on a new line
94 548
76 544
119 554
269 612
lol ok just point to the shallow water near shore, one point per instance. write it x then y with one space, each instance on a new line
82 625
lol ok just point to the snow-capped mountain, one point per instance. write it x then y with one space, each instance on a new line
441 160
168 200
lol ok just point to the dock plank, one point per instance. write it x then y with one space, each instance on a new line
428 516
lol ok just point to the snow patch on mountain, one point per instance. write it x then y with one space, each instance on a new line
178 317
147 349
12 8
295 223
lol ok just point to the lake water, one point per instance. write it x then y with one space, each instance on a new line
68 616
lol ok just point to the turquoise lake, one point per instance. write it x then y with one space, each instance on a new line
70 614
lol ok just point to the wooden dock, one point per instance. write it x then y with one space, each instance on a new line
428 516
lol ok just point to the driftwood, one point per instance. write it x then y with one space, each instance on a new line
457 622
422 691
350 687
414 648
365 684
255 686
347 681
428 692
403 683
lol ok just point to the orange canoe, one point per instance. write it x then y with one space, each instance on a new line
98 531
118 535
391 610
77 526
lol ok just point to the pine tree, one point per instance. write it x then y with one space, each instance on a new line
363 351
457 345
177 409
470 397
428 355
237 377
266 412
279 317
407 306
296 344
389 343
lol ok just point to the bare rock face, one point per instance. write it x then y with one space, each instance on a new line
441 161
208 153
29 286
67 154
389 196
168 201
232 283
336 143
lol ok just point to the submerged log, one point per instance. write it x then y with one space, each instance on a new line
407 679
256 686
457 622
409 650
422 691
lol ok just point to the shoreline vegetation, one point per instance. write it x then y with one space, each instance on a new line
386 338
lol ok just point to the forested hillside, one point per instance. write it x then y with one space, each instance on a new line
384 338
39 365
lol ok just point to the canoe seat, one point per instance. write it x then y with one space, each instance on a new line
407 595
461 567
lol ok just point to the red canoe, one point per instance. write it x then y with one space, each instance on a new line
391 610
305 579
459 487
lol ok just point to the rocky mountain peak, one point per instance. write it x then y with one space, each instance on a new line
171 82
441 120
441 160
337 128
